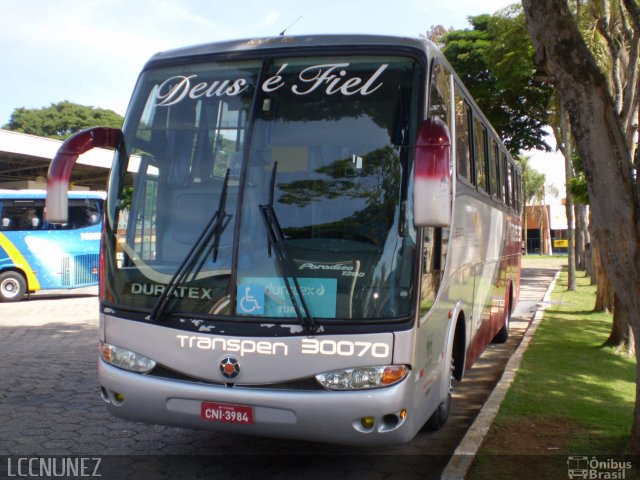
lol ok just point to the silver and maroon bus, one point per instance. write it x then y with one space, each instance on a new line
305 237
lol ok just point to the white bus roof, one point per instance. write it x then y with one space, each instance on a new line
259 45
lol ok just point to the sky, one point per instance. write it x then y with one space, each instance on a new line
91 51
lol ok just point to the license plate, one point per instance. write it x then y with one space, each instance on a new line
227 413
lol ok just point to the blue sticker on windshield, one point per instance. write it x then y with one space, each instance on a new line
250 299
319 293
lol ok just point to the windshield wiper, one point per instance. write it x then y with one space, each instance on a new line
283 259
214 228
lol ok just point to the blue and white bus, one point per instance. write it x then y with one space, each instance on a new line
305 237
38 255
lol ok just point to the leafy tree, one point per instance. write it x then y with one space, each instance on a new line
495 61
604 137
532 180
577 188
61 120
435 34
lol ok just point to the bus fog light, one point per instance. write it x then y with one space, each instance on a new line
126 359
362 378
367 422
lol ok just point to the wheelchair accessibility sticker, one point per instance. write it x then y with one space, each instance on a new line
250 299
268 296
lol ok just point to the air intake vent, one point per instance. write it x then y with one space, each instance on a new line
80 270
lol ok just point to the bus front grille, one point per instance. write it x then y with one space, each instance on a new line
80 270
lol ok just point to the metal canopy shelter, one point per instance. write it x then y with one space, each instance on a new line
25 158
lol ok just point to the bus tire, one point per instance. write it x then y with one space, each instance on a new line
503 334
440 416
13 286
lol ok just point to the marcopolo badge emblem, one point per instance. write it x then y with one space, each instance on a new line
229 367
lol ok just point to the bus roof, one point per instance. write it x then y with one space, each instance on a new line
258 45
282 43
41 194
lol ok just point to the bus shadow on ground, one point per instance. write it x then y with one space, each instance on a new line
63 294
58 296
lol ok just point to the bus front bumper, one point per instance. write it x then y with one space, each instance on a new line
335 417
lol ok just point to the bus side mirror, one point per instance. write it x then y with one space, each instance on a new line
432 175
60 168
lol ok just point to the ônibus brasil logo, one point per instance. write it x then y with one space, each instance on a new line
592 468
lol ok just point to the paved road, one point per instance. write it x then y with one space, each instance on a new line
49 405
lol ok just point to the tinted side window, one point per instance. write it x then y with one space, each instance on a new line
440 94
22 215
507 184
27 214
512 186
480 154
494 168
84 213
463 136
503 174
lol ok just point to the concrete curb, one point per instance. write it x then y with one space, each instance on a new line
464 455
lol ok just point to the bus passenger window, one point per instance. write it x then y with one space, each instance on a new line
480 154
430 280
444 247
82 214
463 136
435 244
501 159
514 193
518 194
440 94
505 179
494 168
17 217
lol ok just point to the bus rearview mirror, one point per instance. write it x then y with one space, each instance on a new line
432 175
59 175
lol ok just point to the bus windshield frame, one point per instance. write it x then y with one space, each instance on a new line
335 130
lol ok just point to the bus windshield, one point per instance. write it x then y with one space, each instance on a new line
319 143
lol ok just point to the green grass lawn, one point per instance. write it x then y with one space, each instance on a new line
571 395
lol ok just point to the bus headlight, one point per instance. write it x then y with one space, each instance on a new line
126 359
362 378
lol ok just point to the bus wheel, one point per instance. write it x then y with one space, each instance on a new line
439 417
12 287
503 334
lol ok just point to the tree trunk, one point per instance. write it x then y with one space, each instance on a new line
621 336
605 296
595 260
580 243
588 263
543 242
582 239
567 152
547 230
602 143
571 253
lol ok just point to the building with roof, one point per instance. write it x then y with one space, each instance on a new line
24 162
